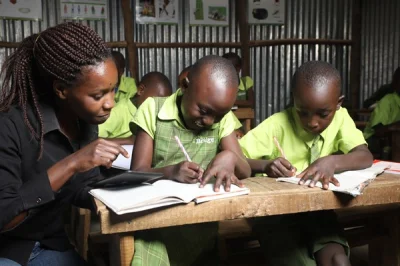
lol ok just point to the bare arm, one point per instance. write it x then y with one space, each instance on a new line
242 168
358 158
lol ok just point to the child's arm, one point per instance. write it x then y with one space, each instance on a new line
142 156
123 141
279 167
229 165
324 168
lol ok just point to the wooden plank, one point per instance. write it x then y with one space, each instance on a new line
261 43
355 60
267 198
128 28
244 113
189 45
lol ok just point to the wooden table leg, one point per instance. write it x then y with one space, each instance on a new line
121 249
386 250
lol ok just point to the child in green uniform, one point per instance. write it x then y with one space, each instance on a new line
199 114
116 128
126 85
246 82
319 139
386 112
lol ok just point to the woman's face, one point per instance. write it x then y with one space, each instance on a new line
93 99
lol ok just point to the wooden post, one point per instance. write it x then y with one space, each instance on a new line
121 248
355 68
128 27
241 13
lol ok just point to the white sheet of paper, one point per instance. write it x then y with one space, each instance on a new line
351 182
392 167
121 162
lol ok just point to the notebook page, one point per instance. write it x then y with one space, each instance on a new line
392 167
351 182
121 162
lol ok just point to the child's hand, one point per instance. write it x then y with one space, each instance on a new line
280 167
223 168
321 170
187 172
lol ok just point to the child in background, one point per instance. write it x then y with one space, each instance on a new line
386 112
246 82
116 128
126 86
182 82
319 139
199 114
383 91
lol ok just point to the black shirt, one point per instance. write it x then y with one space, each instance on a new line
25 186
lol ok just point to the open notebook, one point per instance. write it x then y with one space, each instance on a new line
159 194
351 182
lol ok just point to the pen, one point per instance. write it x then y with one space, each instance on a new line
279 147
183 149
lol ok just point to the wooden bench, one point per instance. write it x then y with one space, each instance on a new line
246 114
267 198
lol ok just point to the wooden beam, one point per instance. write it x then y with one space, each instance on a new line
128 27
121 44
9 44
355 63
260 43
189 45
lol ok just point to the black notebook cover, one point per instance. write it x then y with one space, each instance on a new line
128 178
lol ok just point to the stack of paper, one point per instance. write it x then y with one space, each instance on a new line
351 182
390 167
160 193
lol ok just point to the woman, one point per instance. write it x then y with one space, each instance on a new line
58 85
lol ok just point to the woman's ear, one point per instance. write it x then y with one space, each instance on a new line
60 90
340 102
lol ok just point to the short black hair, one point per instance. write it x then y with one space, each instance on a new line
221 68
119 59
234 58
315 73
150 78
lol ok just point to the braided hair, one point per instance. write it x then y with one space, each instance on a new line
57 54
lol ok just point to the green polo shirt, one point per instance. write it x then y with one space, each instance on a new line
340 136
145 116
386 112
117 125
245 83
126 89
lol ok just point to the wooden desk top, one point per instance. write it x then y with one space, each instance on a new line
267 197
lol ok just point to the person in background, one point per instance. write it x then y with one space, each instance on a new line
117 127
126 88
246 82
58 86
383 91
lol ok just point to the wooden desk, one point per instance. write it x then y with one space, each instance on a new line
267 198
246 114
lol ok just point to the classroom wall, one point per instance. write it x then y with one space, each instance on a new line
271 67
380 43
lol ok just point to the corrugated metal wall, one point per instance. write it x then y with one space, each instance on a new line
271 67
380 43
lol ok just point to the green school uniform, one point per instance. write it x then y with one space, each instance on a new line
117 125
298 237
386 112
190 244
126 89
245 84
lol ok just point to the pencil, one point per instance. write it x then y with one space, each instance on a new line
183 149
279 147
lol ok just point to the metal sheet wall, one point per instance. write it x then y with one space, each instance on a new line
380 44
271 67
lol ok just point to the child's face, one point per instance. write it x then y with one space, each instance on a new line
93 99
206 103
316 107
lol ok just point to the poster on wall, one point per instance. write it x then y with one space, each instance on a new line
266 11
209 12
157 11
83 9
21 9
